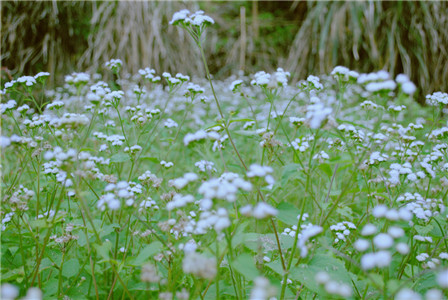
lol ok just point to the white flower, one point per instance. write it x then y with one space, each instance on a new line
199 265
380 211
407 294
315 82
316 114
114 64
179 16
422 257
442 279
383 241
402 248
368 229
434 294
235 84
262 290
263 210
361 245
9 291
395 232
376 259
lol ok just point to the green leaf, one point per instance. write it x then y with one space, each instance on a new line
151 159
244 264
242 238
326 169
335 268
287 213
289 171
146 253
45 264
240 120
423 230
70 268
120 157
104 250
50 288
276 266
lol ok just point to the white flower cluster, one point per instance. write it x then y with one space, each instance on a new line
114 64
116 193
342 230
115 140
377 157
218 220
205 166
184 17
316 114
344 73
181 182
431 294
369 105
375 82
6 219
225 187
396 108
51 106
302 144
10 292
192 90
199 265
378 259
382 211
321 156
77 78
166 164
169 123
4 107
314 82
272 81
27 80
148 178
308 231
382 242
422 208
113 98
333 287
235 84
437 98
407 86
427 262
133 149
179 201
148 73
261 78
262 290
148 203
261 171
296 121
176 80
70 120
260 211
200 135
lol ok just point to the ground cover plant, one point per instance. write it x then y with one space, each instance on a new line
159 186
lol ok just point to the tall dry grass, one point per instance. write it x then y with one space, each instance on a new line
139 33
62 36
401 36
41 35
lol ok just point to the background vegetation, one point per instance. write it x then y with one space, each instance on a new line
303 37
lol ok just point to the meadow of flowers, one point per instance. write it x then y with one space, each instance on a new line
161 186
